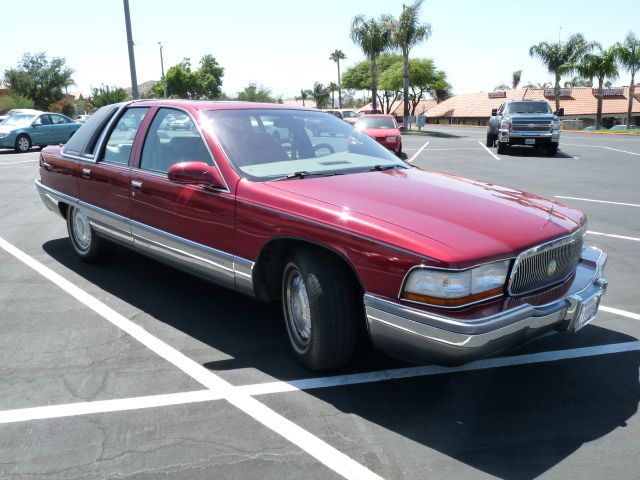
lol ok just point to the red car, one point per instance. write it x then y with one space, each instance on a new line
383 129
352 241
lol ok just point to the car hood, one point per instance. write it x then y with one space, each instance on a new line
7 128
381 132
452 219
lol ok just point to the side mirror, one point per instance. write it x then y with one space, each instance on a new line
196 173
401 127
559 113
494 112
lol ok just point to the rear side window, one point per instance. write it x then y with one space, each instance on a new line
84 140
120 140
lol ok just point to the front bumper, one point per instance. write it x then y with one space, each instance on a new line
416 335
7 142
521 138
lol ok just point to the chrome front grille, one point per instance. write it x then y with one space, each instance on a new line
546 264
532 126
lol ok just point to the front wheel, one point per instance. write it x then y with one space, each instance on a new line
502 147
552 149
87 245
23 144
491 140
322 309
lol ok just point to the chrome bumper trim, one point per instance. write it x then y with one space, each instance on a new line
409 333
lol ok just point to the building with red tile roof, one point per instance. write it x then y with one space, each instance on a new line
579 103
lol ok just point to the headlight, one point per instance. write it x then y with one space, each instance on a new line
505 123
555 124
391 139
454 288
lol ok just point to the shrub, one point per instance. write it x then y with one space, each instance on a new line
14 101
64 106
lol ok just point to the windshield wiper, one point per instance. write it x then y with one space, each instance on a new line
302 174
381 168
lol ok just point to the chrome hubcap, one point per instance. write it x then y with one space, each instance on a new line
81 229
23 144
299 312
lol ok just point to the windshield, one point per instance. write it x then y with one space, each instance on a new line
19 120
528 107
271 144
376 122
350 114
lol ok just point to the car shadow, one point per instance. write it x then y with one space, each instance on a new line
431 133
522 151
512 422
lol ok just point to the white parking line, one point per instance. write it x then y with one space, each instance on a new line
622 313
20 161
621 237
600 146
314 446
488 151
598 201
455 148
418 152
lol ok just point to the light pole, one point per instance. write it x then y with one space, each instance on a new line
132 59
164 81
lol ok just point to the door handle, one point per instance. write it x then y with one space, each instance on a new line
86 172
136 184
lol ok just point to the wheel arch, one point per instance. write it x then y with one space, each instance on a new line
271 259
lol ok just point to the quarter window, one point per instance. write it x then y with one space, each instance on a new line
172 138
121 139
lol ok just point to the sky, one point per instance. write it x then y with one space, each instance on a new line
285 45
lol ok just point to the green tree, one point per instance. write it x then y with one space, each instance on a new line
304 96
578 82
600 65
373 38
629 55
43 81
501 86
106 95
320 94
562 59
336 56
515 79
183 82
333 88
209 77
64 106
11 101
406 33
256 93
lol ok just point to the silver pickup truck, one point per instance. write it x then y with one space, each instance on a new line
524 122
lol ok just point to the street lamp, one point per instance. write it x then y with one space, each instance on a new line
164 81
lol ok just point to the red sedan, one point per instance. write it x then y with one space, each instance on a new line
383 129
349 239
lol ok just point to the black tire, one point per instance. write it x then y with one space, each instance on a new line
502 147
23 143
87 245
399 152
552 149
316 285
491 140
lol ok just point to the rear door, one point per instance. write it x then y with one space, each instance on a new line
61 128
191 226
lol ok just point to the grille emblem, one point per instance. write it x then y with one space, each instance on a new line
551 268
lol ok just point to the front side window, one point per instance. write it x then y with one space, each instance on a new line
43 120
269 144
172 138
121 139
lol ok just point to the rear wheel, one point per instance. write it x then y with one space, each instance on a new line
87 245
322 309
23 144
491 140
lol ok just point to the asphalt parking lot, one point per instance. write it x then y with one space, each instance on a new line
133 370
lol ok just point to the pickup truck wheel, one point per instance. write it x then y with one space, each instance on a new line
23 144
87 245
491 140
321 313
502 147
552 149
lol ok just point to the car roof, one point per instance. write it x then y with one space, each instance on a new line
218 104
376 115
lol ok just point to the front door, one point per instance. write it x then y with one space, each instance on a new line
190 226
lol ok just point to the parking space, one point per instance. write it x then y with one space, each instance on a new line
144 371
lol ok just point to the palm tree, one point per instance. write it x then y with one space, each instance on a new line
320 94
629 55
333 88
372 38
515 79
501 86
336 56
406 33
304 95
600 65
562 59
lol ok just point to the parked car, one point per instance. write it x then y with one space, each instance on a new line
592 128
350 240
524 122
624 127
382 128
81 118
21 131
346 114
